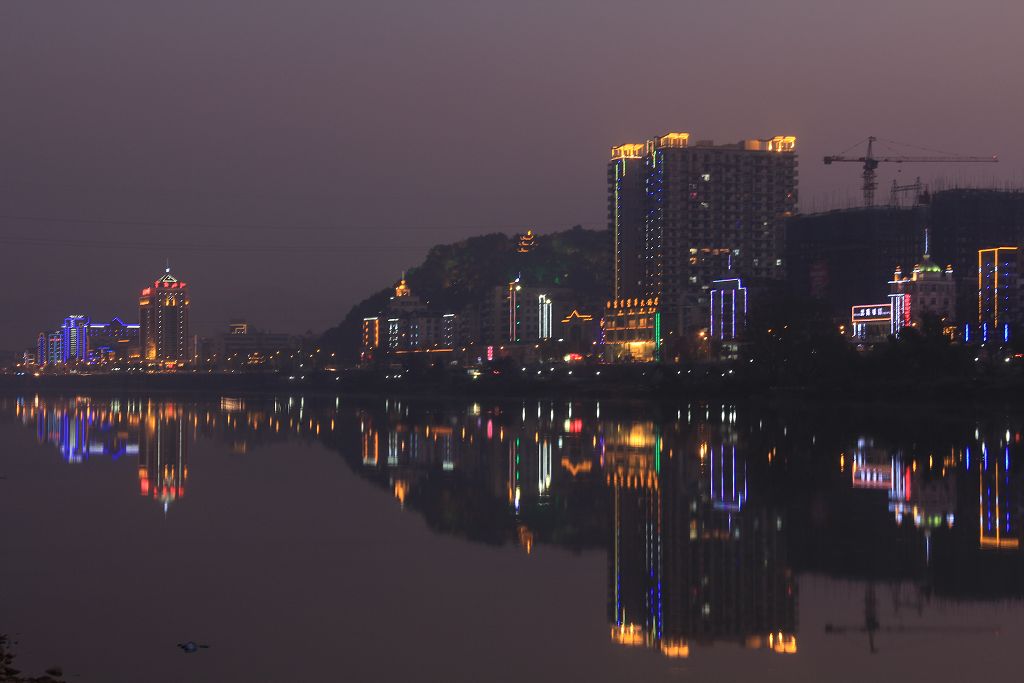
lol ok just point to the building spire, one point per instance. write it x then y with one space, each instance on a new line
167 265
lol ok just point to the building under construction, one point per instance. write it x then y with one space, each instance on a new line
847 257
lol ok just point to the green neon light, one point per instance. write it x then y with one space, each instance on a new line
657 451
657 336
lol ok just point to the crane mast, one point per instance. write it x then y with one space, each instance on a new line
870 165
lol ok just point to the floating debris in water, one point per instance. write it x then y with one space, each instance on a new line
192 646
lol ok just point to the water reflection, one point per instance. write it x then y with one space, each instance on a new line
708 513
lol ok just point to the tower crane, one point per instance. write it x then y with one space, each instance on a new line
872 626
871 162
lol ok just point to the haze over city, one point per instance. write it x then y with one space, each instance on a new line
291 158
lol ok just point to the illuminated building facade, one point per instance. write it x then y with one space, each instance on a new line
929 291
407 325
49 348
728 315
871 322
632 330
163 320
116 340
581 332
683 214
74 336
999 295
528 312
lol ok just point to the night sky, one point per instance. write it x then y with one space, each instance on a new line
292 157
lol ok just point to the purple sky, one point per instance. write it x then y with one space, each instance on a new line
451 118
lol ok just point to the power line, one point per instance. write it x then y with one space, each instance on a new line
494 227
163 246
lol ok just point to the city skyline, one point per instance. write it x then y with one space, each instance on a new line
235 133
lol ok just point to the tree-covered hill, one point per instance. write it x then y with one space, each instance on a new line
454 276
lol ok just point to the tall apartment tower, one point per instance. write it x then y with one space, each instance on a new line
163 320
999 292
683 214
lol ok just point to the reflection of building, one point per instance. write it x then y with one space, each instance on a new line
163 320
1000 504
163 454
682 212
691 561
632 330
81 429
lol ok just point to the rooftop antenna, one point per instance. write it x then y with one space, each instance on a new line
167 265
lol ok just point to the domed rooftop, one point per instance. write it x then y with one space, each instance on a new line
928 266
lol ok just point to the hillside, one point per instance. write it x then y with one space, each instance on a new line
455 275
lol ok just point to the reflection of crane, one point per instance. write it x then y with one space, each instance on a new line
871 162
872 626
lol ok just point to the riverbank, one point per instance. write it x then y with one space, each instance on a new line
596 382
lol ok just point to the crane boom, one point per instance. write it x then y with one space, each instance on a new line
871 162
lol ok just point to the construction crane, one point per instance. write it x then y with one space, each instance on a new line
871 163
872 626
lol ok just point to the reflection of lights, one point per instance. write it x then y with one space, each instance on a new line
576 468
675 649
628 634
401 491
525 538
785 643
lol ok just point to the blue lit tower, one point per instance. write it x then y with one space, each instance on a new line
74 339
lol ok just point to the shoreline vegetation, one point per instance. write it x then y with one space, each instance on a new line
10 674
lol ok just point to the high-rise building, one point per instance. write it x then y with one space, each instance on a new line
684 214
999 295
846 257
74 339
961 222
49 348
163 320
626 217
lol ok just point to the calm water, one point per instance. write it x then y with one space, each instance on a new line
322 540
